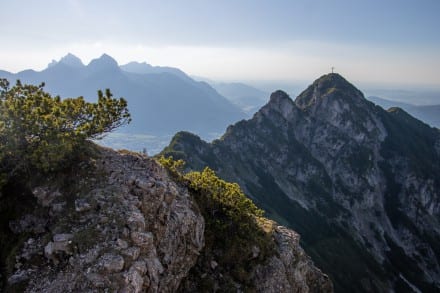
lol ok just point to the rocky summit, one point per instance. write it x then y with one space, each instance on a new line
118 222
361 185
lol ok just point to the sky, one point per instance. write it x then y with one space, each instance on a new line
388 42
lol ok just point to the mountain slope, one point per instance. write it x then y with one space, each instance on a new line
429 113
360 184
162 100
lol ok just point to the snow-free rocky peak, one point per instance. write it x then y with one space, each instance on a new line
329 86
103 63
361 185
281 103
72 61
69 60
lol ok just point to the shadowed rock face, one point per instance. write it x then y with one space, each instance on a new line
358 183
291 270
120 223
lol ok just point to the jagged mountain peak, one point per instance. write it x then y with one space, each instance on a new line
280 102
333 100
331 85
69 60
105 62
279 96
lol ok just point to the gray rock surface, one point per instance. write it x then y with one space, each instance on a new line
119 236
126 226
291 269
360 184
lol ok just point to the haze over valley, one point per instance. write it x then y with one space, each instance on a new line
162 99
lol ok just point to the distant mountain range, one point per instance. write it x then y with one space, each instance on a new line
360 184
162 100
246 97
429 114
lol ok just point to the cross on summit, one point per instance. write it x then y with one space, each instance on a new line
332 69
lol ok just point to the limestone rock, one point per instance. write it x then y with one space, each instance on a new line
49 250
45 196
106 234
82 205
292 270
214 264
360 183
112 263
134 280
29 223
62 242
142 239
122 243
132 252
128 227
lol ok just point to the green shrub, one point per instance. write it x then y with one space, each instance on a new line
224 197
173 166
234 224
38 131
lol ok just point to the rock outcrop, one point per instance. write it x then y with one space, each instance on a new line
291 269
120 223
129 228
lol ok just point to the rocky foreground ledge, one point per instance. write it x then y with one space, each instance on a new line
123 225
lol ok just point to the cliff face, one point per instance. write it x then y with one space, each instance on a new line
360 184
119 222
291 269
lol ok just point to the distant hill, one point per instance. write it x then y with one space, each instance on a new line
145 68
413 96
429 114
162 100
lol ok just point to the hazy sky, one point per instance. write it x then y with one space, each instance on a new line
369 41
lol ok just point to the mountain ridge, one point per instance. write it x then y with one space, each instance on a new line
353 179
103 63
427 113
161 101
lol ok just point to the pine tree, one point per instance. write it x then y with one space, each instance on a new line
39 131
